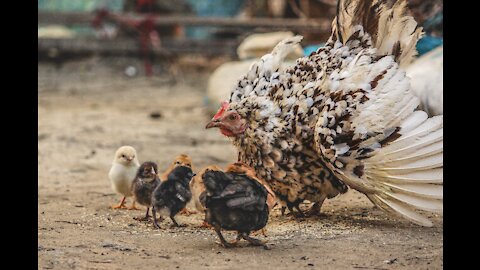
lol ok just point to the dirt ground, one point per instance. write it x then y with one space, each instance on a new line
89 108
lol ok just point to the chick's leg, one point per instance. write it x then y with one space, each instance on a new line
205 225
175 224
146 217
187 212
121 205
133 207
263 231
224 242
154 214
254 241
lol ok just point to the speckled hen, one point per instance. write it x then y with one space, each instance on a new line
342 117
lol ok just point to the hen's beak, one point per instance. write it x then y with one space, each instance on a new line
213 123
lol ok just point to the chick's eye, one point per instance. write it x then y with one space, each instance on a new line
123 156
177 162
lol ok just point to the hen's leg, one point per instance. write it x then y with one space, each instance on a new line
298 214
315 209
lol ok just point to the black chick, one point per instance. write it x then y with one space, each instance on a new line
234 201
144 184
172 195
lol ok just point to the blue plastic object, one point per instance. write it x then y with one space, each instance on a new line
80 5
311 48
211 8
428 43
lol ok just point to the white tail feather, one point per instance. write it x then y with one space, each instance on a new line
406 212
407 174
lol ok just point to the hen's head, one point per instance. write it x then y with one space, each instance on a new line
229 121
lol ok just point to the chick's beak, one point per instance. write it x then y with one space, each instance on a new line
213 123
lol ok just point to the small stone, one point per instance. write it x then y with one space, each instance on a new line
155 115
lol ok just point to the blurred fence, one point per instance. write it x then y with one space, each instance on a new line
134 33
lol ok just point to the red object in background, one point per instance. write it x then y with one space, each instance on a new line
148 35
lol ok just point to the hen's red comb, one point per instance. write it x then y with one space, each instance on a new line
223 108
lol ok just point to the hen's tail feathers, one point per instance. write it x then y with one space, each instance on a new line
407 174
393 32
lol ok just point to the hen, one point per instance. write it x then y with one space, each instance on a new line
234 201
342 117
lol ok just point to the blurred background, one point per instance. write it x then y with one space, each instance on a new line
150 74
154 38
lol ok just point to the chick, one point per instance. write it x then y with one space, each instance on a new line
172 195
197 187
144 184
123 171
180 160
236 202
239 167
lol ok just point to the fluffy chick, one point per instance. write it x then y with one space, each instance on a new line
235 202
172 195
122 173
144 184
239 167
180 160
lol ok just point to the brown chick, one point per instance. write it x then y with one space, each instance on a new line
180 160
197 187
239 167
